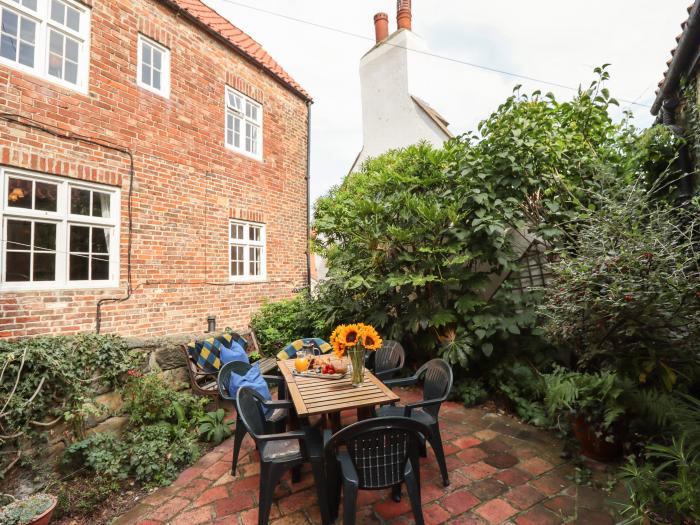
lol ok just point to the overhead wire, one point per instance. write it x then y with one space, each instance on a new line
475 65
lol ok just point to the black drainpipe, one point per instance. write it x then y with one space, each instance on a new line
308 195
685 183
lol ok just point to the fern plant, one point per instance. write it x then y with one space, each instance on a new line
598 398
213 427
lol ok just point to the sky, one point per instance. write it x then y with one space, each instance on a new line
559 41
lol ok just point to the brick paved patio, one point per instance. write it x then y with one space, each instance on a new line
501 471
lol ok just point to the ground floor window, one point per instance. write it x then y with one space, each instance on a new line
57 232
247 251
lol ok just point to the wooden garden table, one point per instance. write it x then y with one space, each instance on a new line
315 396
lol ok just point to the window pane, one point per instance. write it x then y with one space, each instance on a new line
156 79
146 74
17 266
79 201
55 65
237 133
79 239
56 43
254 233
19 235
44 267
26 54
146 53
73 18
71 73
58 12
79 268
254 261
72 48
27 30
100 240
31 4
100 204
157 59
8 47
229 128
44 236
46 196
100 268
19 193
9 22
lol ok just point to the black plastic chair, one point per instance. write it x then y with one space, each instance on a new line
375 454
280 452
274 421
437 379
389 360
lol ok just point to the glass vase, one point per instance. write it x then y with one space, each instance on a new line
357 358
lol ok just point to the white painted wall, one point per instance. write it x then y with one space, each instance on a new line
390 118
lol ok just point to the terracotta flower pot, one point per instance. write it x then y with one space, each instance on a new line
595 447
45 516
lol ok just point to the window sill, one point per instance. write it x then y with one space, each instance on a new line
74 88
21 288
243 153
258 280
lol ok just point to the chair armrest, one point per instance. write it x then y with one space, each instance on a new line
405 381
347 468
294 434
279 380
388 373
280 403
408 407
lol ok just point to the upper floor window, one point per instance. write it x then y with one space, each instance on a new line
244 124
247 251
154 66
57 233
49 38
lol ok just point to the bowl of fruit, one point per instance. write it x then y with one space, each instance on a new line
324 367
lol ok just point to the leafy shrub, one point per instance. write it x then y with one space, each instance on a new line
56 377
104 453
278 324
148 399
598 397
666 488
470 392
157 452
522 385
626 295
213 427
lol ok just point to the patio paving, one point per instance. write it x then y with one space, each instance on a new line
501 471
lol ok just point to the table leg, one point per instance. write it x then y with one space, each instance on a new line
365 413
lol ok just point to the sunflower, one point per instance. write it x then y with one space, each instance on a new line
349 335
336 343
370 338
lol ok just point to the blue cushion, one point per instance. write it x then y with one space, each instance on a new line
234 352
252 379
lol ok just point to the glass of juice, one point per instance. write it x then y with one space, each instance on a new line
301 363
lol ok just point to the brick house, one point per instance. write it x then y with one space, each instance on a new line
153 169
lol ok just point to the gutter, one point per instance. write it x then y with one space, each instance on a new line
308 194
682 58
218 36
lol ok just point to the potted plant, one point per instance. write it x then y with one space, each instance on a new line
36 509
593 405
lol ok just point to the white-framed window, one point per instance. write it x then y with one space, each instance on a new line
57 233
153 66
244 124
48 38
247 260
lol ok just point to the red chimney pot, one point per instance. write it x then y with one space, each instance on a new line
403 14
381 26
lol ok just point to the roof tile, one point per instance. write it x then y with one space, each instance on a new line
238 39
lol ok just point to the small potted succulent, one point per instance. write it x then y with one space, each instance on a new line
592 404
36 509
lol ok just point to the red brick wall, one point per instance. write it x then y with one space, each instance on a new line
180 215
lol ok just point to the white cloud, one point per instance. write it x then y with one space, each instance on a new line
555 40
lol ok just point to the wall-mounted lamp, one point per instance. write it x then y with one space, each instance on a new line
211 323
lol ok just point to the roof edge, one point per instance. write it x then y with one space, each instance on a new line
687 47
440 121
221 38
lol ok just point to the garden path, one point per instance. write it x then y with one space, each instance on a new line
501 472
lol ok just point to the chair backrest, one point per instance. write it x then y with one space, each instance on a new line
437 382
390 355
249 406
206 354
319 346
240 368
379 449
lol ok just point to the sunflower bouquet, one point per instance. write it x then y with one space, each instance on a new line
353 340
